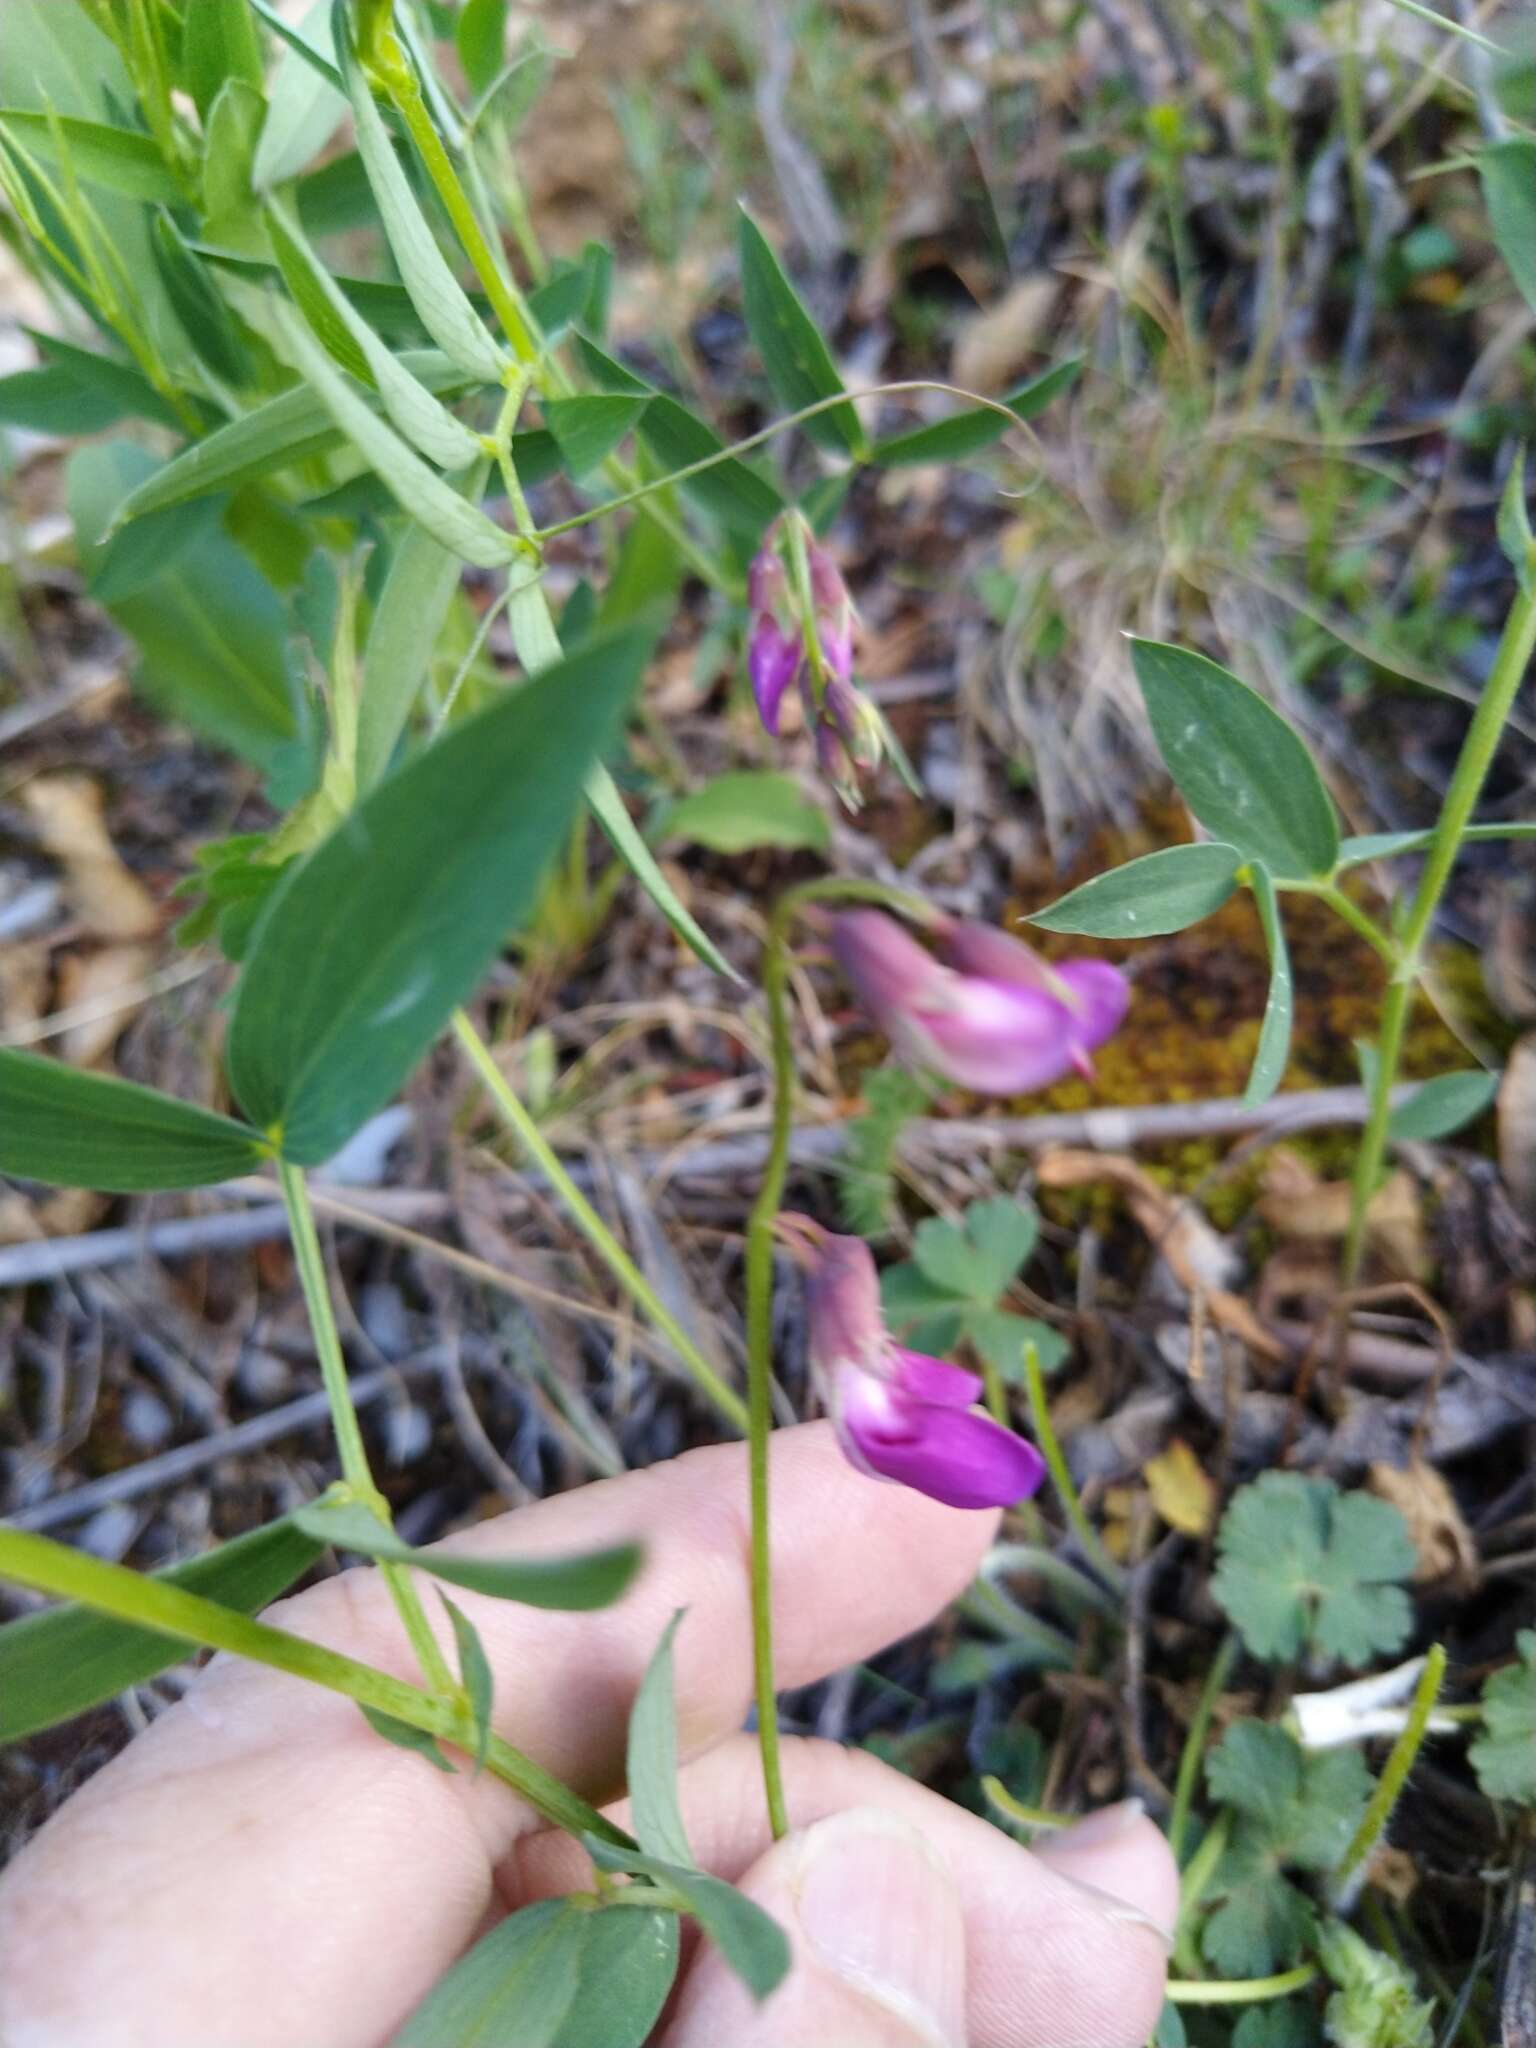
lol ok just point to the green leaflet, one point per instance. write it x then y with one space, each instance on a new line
421 492
366 947
445 310
71 1128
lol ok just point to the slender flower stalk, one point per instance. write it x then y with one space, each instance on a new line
1390 1784
355 1469
592 1227
1510 663
760 1245
1061 1476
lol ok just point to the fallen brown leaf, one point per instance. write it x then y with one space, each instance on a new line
994 347
1440 1536
1517 1125
1297 1203
1197 1256
112 980
109 901
1182 1491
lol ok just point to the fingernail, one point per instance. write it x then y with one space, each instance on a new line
1080 1849
879 1909
1121 1911
1107 1825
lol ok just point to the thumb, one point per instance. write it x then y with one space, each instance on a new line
874 1920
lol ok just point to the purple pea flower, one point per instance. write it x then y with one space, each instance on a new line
898 1414
1000 1021
773 661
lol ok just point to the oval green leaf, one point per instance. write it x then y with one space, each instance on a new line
421 492
286 430
1162 892
365 948
574 1584
734 813
651 1765
1509 190
1444 1105
73 1129
517 1984
64 1660
627 1969
1244 773
124 160
796 358
967 433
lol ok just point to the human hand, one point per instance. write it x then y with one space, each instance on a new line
259 1870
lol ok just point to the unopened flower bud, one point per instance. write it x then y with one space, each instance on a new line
773 660
836 637
765 579
827 586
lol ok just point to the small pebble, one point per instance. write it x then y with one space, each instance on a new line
110 1530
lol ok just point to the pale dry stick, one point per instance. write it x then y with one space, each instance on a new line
1338 629
26 717
169 1468
1431 76
129 997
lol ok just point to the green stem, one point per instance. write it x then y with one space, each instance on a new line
765 1209
1240 1990
393 70
1061 1478
54 1568
1194 1744
1395 1775
760 438
760 1225
1201 1867
994 1393
395 74
1478 749
355 1469
1452 27
1345 907
592 1226
795 531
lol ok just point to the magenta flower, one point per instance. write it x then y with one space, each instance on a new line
898 1414
846 729
1001 1020
773 662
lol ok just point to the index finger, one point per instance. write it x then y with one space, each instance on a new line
269 1818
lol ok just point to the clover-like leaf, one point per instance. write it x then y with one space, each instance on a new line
1293 1809
1303 1567
1504 1755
